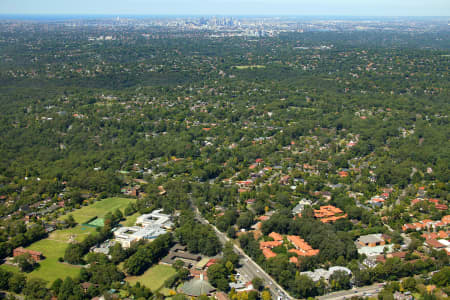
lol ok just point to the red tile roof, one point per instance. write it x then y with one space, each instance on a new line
311 252
211 262
434 243
270 244
441 206
446 219
263 218
268 253
276 236
31 252
299 243
434 235
343 173
415 201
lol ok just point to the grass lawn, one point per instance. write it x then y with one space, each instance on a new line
10 268
78 233
166 292
131 220
250 67
53 247
154 277
98 209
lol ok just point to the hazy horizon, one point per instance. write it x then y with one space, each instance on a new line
344 8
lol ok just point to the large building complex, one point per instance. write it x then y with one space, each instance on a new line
155 218
148 226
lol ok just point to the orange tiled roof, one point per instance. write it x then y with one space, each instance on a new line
276 236
333 219
442 234
327 211
441 206
311 252
343 174
31 252
415 201
257 234
439 224
435 244
268 253
263 218
431 235
270 244
434 235
299 243
417 225
446 219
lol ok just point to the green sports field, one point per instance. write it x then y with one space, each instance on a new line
98 209
154 277
52 248
55 245
250 67
97 222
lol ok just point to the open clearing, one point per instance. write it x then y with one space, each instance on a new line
52 248
154 277
131 220
98 209
250 67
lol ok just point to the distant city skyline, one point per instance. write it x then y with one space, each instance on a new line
228 7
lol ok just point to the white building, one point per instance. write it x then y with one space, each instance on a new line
150 226
325 274
373 252
126 235
301 206
155 218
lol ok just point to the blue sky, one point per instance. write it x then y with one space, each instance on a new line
230 7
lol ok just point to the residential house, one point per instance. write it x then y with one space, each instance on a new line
370 240
284 180
329 213
302 248
432 243
317 274
35 255
301 206
276 236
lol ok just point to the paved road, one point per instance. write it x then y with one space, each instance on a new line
249 269
406 238
370 290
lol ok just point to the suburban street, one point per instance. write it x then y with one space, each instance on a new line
249 269
371 290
